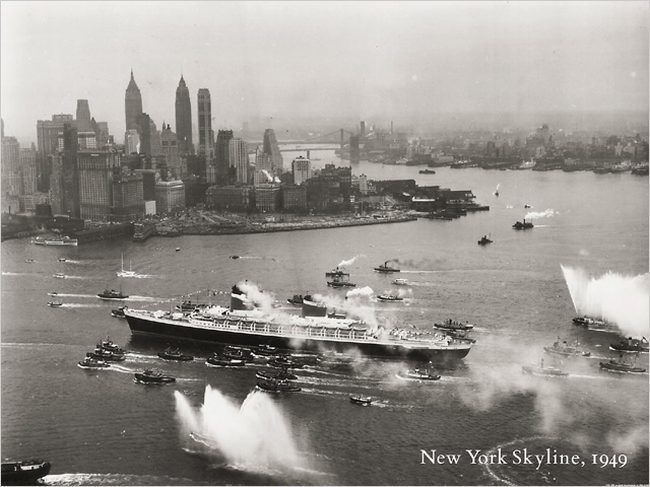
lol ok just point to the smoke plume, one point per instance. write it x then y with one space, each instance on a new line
549 212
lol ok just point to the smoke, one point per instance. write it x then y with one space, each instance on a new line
630 441
356 305
256 298
349 262
549 212
254 437
616 298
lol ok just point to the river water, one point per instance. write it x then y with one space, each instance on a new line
101 428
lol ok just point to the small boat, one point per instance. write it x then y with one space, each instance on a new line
101 354
620 366
55 304
337 272
187 306
220 361
496 191
453 325
276 386
484 240
124 273
296 300
25 472
178 249
526 205
385 268
523 225
285 363
90 363
540 370
110 346
150 376
273 374
52 293
426 171
401 282
337 315
590 323
234 257
389 298
62 259
59 275
564 348
119 313
361 401
30 261
631 345
175 354
265 350
111 294
418 374
238 353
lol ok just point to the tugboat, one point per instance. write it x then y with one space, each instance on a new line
360 400
385 268
484 240
150 376
59 275
337 273
238 353
620 366
276 386
417 374
52 293
389 298
401 282
220 361
119 313
426 171
338 282
295 300
540 370
111 294
523 225
564 348
106 355
234 257
590 323
282 374
453 325
24 472
266 350
631 345
55 304
92 364
175 354
62 259
283 362
110 346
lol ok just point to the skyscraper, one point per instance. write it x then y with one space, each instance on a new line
132 104
83 116
301 169
169 147
239 160
184 119
10 174
70 171
222 157
206 136
47 135
96 175
270 148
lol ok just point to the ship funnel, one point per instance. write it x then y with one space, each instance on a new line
238 299
312 308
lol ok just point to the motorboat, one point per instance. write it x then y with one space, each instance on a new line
401 282
52 293
26 472
234 257
150 376
111 294
62 259
361 400
175 354
55 304
385 268
59 275
92 364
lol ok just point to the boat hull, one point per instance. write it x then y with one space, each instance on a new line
143 325
11 476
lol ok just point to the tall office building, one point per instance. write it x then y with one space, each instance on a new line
83 116
222 157
206 135
239 160
132 104
169 147
149 136
27 158
96 175
301 169
70 171
184 119
132 141
10 175
270 147
47 136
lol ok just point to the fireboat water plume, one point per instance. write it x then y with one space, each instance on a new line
616 298
349 262
254 436
534 215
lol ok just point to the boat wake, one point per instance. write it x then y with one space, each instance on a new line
121 369
113 479
69 295
8 273
148 299
80 305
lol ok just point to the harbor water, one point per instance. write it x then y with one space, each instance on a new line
211 428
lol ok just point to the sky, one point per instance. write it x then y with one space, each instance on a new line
363 61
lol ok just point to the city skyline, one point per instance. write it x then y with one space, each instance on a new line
410 61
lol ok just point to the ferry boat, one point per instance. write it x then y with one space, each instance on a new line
631 345
563 348
56 241
243 325
385 268
523 225
25 472
111 294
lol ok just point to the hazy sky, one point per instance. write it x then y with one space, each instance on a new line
296 59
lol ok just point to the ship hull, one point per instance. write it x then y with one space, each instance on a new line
145 326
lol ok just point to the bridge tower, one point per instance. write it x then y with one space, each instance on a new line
342 138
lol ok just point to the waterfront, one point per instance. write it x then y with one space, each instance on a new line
103 425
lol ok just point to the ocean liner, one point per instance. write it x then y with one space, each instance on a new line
242 323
